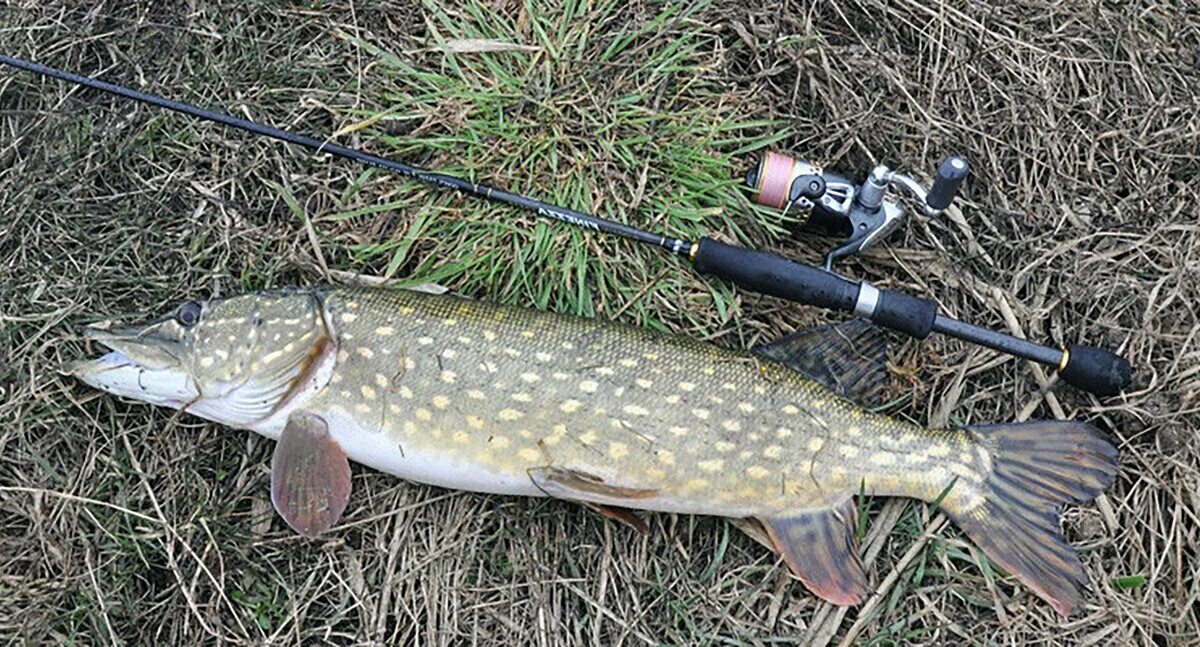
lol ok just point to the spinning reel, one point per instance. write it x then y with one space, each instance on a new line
864 213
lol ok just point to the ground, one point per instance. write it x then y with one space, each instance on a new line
120 523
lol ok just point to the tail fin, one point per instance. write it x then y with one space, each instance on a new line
1035 467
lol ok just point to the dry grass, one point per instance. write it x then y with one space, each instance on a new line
1082 223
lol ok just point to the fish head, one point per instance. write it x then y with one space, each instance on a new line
234 360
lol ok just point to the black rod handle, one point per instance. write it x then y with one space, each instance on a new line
1096 370
768 273
1087 368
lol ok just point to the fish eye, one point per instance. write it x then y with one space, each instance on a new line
188 314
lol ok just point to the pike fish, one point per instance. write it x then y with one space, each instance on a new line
476 396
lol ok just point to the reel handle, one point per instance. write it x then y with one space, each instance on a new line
949 178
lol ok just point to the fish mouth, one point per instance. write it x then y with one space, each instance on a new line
140 364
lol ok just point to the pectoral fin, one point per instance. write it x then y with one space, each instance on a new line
849 358
310 476
821 549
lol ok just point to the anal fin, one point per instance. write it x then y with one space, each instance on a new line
848 358
820 547
310 476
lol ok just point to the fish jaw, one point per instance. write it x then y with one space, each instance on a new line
121 375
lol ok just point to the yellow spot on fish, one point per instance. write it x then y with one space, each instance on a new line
628 363
588 437
440 401
570 406
342 356
672 399
449 377
499 442
716 399
783 432
522 397
365 352
618 451
635 410
510 414
530 378
527 334
349 317
368 392
723 446
465 341
449 353
712 465
385 331
543 357
915 458
381 380
476 394
848 451
666 457
939 450
588 386
409 427
460 437
424 341
791 410
489 335
423 415
679 431
757 472
818 404
732 425
560 376
362 407
449 322
206 362
512 352
853 430
700 413
773 451
695 484
883 458
605 371
815 444
644 383
746 407
530 455
687 386
965 457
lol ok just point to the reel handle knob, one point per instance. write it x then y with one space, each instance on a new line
950 176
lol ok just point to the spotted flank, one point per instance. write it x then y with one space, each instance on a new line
480 397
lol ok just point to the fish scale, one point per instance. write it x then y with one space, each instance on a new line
477 396
711 430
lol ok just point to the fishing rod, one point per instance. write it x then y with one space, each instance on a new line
779 181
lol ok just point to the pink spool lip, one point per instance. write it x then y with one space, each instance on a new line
774 180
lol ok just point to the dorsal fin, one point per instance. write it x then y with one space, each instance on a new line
849 358
821 548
